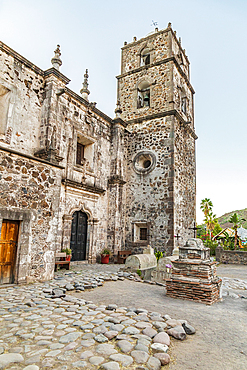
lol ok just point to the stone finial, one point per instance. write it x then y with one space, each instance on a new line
169 25
125 43
84 91
56 60
134 38
156 29
179 40
118 109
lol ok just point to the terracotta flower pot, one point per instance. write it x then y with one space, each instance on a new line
105 258
68 257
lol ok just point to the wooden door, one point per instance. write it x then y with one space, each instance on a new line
8 248
78 239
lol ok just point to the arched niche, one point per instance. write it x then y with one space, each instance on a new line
143 94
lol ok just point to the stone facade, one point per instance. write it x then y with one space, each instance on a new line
132 177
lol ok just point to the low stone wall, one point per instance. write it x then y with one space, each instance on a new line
236 257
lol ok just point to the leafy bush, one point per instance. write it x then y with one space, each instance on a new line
106 252
67 251
212 245
158 255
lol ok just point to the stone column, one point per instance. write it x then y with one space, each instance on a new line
67 220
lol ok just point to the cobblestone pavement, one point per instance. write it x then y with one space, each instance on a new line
121 324
51 325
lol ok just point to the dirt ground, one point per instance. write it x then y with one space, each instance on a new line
220 341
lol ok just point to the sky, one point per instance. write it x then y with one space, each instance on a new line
91 34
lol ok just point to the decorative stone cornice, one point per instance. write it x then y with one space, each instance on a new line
59 75
87 104
79 185
49 154
120 122
164 61
30 157
20 58
173 112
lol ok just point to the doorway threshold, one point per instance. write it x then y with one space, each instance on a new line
73 263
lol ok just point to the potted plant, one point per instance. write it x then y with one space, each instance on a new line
68 253
105 255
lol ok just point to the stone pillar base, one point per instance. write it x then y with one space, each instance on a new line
194 280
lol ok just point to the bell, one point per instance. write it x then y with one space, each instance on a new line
146 100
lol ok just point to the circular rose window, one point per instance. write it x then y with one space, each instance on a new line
144 162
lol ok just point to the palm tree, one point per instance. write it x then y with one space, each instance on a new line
206 207
211 221
236 221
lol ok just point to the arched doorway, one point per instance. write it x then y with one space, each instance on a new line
78 240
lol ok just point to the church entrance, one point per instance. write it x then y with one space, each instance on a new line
78 239
8 248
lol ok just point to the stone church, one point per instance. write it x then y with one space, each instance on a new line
73 177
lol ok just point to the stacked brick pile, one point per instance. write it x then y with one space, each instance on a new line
194 278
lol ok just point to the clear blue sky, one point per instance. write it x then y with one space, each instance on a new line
213 33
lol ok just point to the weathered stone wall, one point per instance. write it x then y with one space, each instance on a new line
184 183
149 196
164 197
159 78
26 88
28 185
46 120
137 172
236 257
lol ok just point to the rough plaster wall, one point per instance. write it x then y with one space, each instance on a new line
150 196
26 86
27 184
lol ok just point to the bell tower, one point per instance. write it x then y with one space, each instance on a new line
156 99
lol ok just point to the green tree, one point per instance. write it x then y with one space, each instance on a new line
209 218
206 206
201 231
211 221
236 221
217 229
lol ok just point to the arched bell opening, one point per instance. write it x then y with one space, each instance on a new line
145 57
143 95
